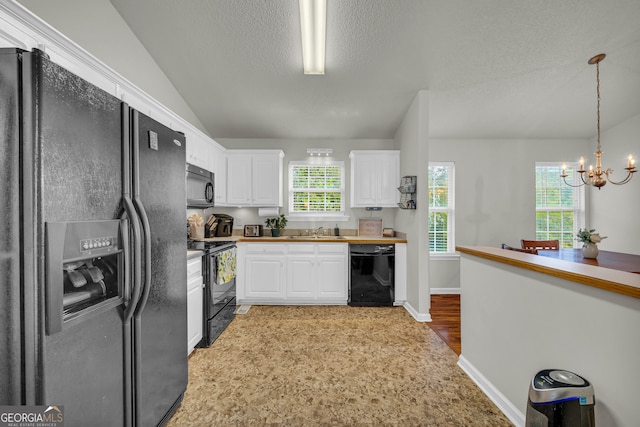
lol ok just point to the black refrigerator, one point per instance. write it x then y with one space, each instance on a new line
92 250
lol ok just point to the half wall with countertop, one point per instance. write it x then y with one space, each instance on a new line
521 313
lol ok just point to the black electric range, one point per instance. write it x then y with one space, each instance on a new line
219 302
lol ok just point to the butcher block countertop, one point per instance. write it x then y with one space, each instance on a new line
587 273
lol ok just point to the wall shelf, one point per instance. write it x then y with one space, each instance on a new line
407 191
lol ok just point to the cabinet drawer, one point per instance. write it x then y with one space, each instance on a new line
194 268
333 248
301 248
266 248
194 283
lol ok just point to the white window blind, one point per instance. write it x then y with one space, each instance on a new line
441 207
316 189
559 207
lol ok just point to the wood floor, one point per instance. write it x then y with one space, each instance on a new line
445 315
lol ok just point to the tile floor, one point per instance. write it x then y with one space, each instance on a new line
322 365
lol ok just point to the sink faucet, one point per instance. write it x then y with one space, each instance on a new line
318 231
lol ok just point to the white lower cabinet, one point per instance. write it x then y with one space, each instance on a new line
265 277
297 273
261 271
332 274
195 293
300 271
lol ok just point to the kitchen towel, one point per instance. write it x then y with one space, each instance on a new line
226 266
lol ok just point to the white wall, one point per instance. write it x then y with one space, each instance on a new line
97 27
296 150
614 209
495 191
412 141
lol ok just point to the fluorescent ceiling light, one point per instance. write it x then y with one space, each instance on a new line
313 26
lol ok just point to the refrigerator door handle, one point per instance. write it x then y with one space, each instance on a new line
130 211
137 270
142 214
146 230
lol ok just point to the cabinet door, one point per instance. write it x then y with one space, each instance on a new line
192 150
219 162
375 176
332 277
301 280
265 277
266 180
198 152
388 176
239 180
194 312
363 181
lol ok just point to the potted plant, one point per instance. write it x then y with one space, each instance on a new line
276 224
589 238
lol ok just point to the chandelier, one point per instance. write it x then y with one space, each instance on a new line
595 176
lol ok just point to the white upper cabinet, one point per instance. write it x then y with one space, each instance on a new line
239 179
219 168
375 177
199 152
267 179
254 177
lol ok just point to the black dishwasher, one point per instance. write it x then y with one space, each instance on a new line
372 275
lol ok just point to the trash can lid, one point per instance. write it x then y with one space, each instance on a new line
552 385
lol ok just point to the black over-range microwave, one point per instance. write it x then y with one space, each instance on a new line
200 187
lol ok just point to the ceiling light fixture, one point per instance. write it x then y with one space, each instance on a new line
313 26
594 176
319 151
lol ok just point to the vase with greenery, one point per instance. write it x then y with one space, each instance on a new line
276 224
589 239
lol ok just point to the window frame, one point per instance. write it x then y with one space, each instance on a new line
316 215
578 208
450 209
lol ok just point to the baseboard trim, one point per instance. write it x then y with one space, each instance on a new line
443 291
420 317
501 401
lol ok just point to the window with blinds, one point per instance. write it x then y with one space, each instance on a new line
316 188
441 207
559 207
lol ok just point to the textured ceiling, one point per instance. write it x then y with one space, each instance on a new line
494 68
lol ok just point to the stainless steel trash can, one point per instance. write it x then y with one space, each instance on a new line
559 398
